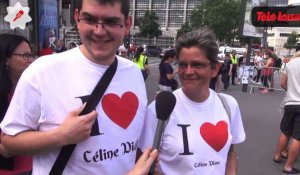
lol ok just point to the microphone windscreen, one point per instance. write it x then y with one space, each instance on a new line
164 104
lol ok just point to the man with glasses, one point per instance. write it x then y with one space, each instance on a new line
44 113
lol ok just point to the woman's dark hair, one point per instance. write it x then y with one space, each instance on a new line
138 52
168 54
202 38
9 43
125 5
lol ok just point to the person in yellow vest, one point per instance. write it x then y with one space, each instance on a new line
141 61
234 60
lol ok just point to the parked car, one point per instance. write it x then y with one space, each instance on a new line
152 50
164 51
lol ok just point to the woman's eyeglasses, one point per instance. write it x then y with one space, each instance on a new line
26 56
193 65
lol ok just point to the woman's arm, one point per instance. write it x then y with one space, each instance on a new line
171 76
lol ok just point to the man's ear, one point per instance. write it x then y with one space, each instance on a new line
128 24
76 16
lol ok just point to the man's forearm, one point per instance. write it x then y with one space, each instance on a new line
231 165
31 142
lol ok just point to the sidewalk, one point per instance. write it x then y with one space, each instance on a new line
261 117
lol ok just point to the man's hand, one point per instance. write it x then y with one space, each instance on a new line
76 128
142 167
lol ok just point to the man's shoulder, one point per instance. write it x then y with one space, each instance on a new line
293 62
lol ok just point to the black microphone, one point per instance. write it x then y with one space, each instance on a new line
164 105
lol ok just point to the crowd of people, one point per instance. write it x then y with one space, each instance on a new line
232 67
42 103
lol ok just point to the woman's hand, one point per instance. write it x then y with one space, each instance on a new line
142 167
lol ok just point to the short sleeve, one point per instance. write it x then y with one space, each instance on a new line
24 110
149 127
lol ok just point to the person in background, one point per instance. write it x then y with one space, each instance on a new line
15 56
241 70
188 142
46 50
234 60
72 45
226 70
215 82
44 113
60 46
290 123
166 72
267 72
141 61
258 62
123 52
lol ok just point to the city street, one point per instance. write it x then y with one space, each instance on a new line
261 117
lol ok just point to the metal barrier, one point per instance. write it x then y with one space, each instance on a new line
267 78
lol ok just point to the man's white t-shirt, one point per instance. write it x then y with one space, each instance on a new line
292 70
197 136
56 84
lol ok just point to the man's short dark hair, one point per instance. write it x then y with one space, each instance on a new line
125 5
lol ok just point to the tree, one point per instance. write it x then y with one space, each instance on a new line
149 26
184 29
291 41
220 16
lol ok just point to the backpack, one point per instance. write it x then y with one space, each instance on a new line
278 63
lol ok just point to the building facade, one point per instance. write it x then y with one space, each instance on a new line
277 36
171 13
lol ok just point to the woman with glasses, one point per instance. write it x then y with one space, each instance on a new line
200 134
15 56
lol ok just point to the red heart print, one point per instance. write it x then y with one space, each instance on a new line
120 110
215 136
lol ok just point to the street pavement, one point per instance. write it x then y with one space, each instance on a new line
261 117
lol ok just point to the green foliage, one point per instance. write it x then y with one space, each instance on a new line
185 28
149 26
291 41
222 16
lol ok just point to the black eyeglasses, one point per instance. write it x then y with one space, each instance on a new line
26 56
110 25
